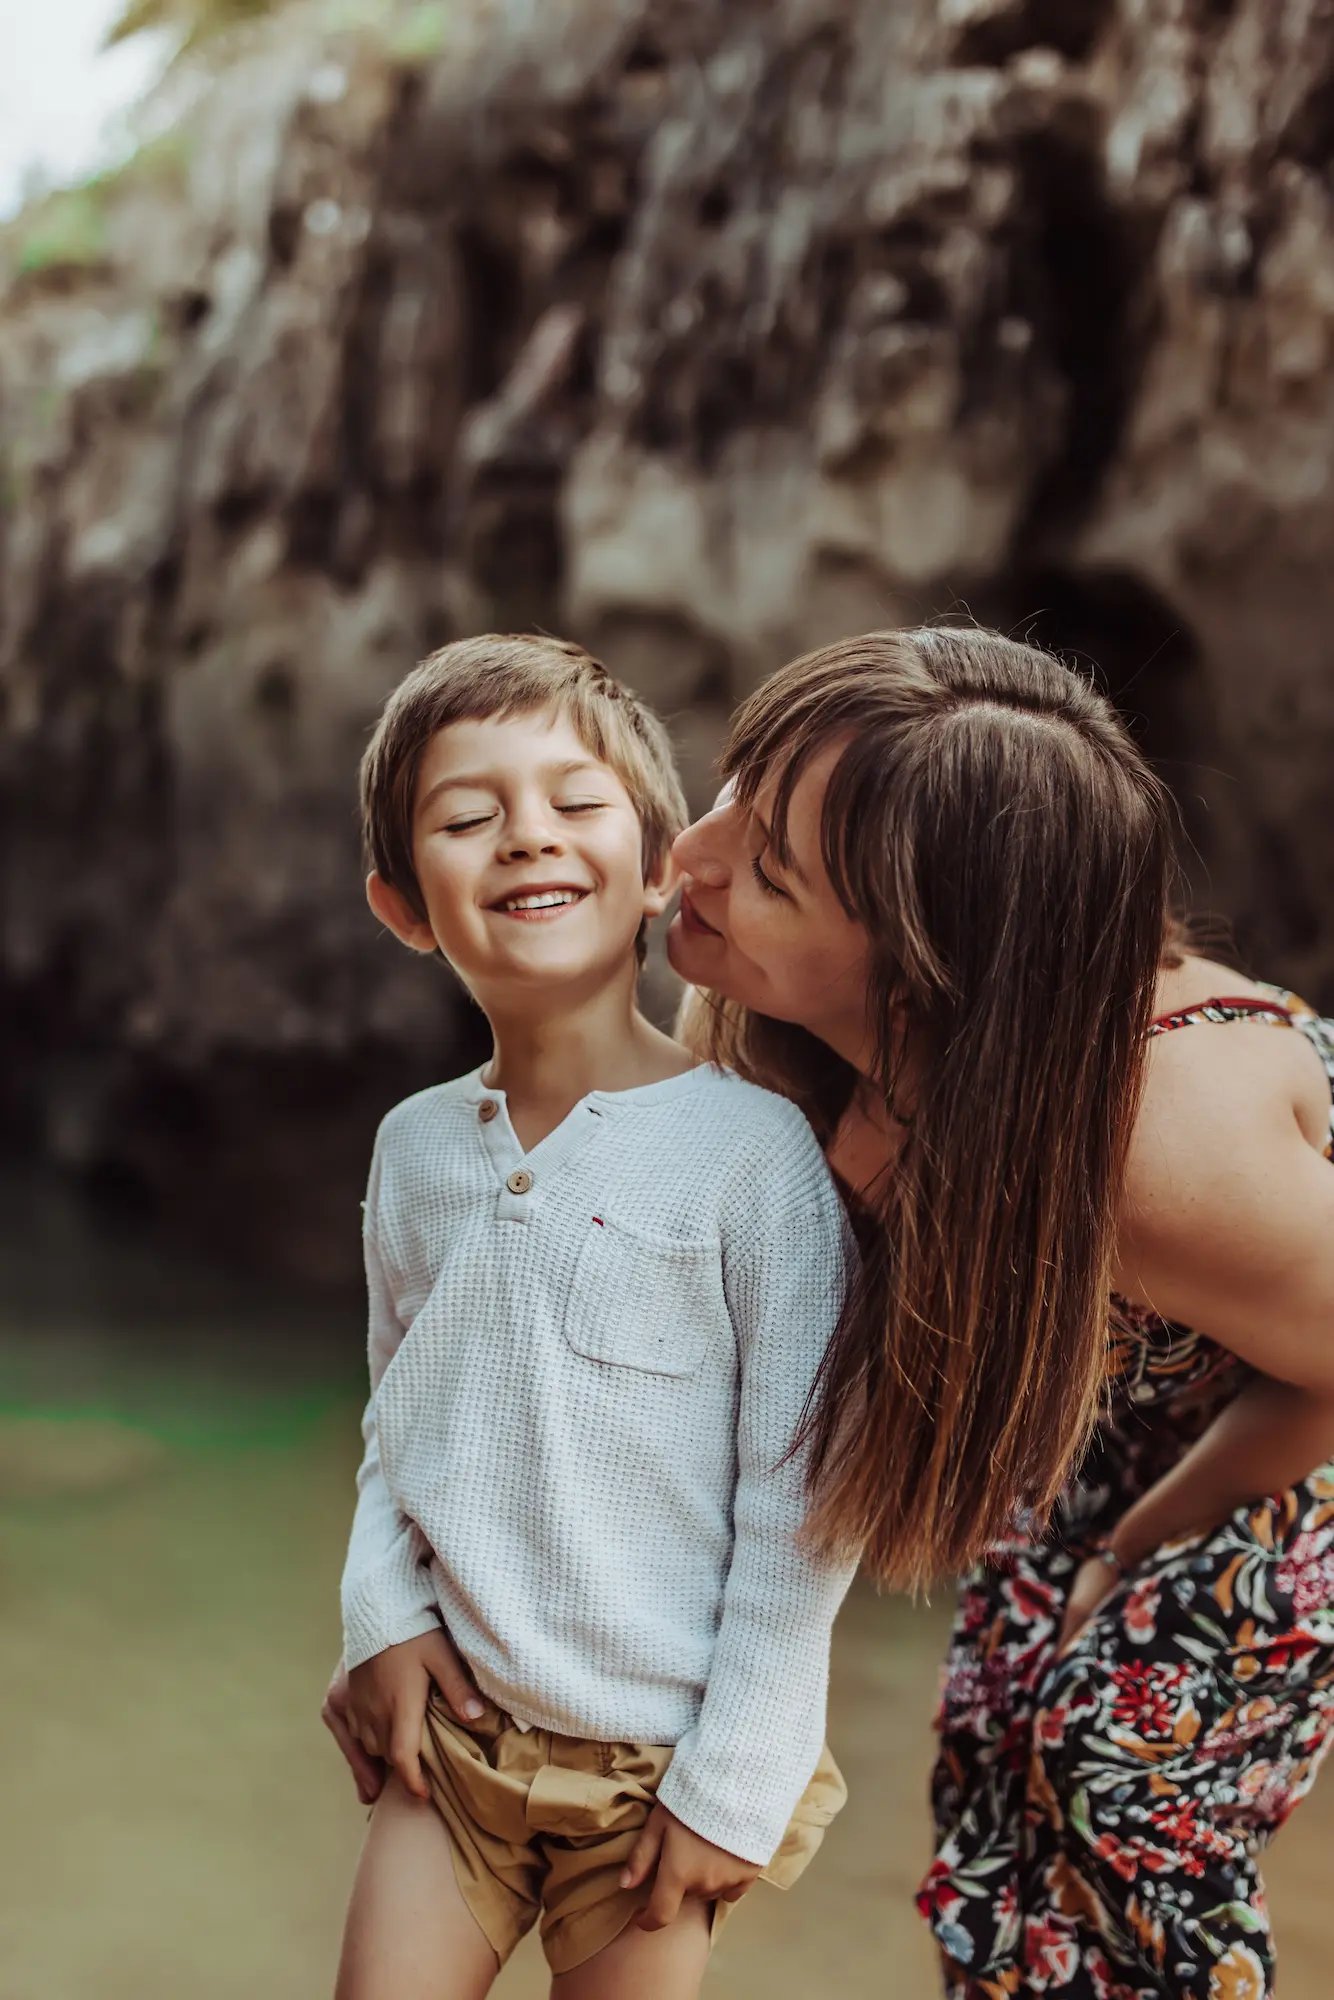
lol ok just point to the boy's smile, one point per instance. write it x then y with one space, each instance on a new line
528 852
538 904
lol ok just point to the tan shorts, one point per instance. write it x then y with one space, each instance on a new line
542 1824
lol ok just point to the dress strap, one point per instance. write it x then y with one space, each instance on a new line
1224 1009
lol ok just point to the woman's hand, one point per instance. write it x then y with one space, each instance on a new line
1095 1580
686 1865
375 1714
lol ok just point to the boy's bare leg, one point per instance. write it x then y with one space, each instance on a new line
409 1934
652 1965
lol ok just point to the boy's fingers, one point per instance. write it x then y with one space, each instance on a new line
735 1893
406 1760
367 1772
452 1678
642 1856
414 1784
664 1905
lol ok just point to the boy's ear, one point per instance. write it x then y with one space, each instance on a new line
397 914
661 884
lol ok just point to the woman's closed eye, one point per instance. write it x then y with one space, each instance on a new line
769 887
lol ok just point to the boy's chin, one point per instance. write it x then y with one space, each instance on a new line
544 974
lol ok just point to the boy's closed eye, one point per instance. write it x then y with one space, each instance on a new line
473 820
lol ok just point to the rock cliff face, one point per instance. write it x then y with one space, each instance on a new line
701 333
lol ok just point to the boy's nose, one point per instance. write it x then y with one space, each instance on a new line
525 843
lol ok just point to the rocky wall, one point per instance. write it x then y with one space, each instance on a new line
702 334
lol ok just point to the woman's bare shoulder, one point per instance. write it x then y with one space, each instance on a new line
1228 1204
1222 1102
1197 979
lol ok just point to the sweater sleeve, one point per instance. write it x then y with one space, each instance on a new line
738 1773
387 1591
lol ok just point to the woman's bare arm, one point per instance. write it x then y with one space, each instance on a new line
1230 1229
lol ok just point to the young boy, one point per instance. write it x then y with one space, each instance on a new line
601 1282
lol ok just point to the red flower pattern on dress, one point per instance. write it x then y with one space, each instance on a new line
938 1895
1049 1727
1307 1574
1144 1697
1109 1849
1141 1611
1285 1652
1100 1976
1176 1819
1049 1946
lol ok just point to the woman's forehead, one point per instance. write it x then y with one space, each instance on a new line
788 800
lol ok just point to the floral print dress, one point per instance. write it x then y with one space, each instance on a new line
1099 1818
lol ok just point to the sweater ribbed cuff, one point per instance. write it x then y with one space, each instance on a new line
747 1827
364 1637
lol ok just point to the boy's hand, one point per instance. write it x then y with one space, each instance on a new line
686 1865
367 1772
387 1696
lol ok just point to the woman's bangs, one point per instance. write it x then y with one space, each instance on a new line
772 742
848 818
748 764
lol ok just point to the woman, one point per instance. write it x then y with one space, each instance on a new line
1138 1695
933 909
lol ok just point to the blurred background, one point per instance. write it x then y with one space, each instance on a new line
331 329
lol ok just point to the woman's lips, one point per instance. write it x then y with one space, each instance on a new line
692 921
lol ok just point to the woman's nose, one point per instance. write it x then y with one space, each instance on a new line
696 854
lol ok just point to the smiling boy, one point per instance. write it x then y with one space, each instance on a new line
601 1283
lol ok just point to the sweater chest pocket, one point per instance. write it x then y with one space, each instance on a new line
644 1302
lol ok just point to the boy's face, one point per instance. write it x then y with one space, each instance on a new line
529 857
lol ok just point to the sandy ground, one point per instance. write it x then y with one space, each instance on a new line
176 1821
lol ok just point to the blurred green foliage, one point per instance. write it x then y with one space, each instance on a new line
67 229
64 231
191 21
420 32
414 31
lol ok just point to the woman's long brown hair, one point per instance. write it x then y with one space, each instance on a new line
1007 850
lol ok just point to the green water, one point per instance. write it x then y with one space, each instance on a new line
177 1446
176 1452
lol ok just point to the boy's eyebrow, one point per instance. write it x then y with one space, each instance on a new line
787 862
479 781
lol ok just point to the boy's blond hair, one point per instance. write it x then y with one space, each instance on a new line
501 674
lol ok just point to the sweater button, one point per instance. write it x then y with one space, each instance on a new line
519 1181
487 1110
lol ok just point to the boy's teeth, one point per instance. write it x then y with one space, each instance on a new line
547 901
